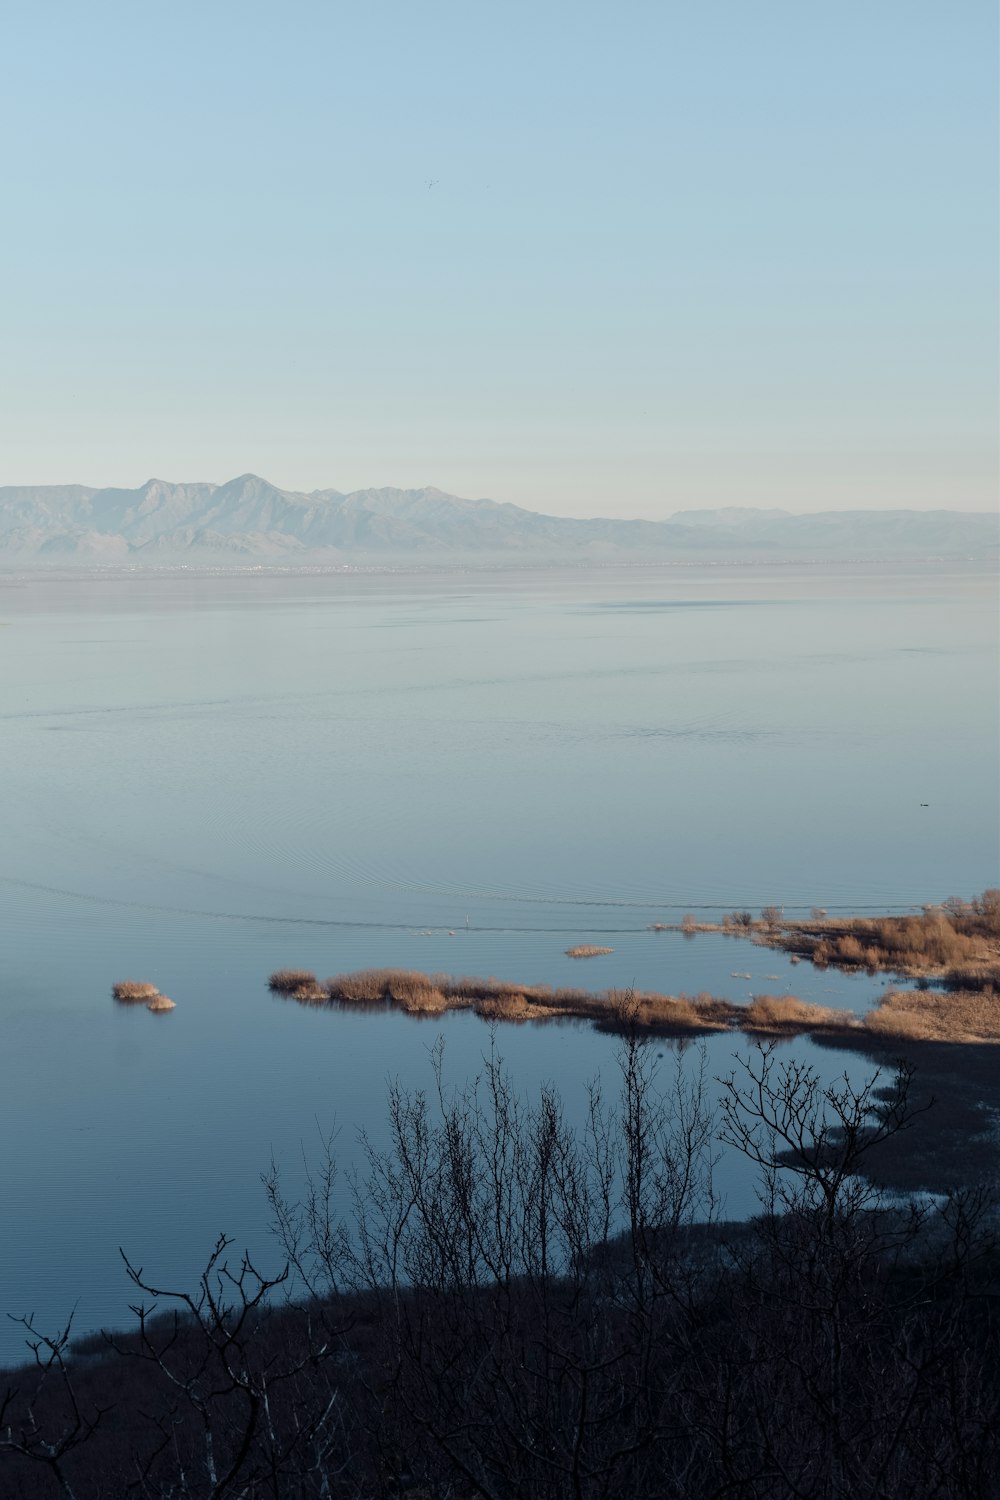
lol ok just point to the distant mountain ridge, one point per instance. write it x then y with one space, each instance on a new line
248 519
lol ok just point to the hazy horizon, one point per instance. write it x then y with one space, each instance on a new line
680 259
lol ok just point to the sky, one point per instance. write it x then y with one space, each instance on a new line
593 259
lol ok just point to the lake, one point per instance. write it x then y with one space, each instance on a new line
207 777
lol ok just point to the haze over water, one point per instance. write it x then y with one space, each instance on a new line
208 777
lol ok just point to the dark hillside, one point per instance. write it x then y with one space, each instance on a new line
484 1327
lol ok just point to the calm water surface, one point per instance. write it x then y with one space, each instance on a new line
207 778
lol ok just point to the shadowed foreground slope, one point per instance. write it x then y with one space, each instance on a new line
512 1309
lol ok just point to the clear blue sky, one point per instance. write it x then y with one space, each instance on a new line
590 258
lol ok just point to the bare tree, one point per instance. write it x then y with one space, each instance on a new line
836 1360
499 1305
524 1350
248 1408
48 1440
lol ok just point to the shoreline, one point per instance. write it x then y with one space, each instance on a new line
946 1034
911 1016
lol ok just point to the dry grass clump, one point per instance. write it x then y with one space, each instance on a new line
414 993
958 941
674 1014
509 1006
848 950
587 950
422 994
406 988
936 1016
128 991
310 993
287 981
160 1003
786 1013
469 990
366 987
690 924
928 941
429 1002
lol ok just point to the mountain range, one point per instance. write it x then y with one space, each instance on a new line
250 521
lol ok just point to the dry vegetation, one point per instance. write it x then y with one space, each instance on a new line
674 1014
958 1016
499 1000
161 1002
510 1307
957 942
785 1015
131 991
917 1015
936 1016
140 991
287 981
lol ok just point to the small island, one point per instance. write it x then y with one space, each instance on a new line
141 992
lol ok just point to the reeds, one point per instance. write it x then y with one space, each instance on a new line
936 1016
366 987
510 1006
414 992
500 1000
786 1014
408 989
673 1015
958 942
428 1002
309 993
587 950
131 991
921 1015
161 1003
287 981
139 991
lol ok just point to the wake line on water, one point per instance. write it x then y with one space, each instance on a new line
235 916
238 916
